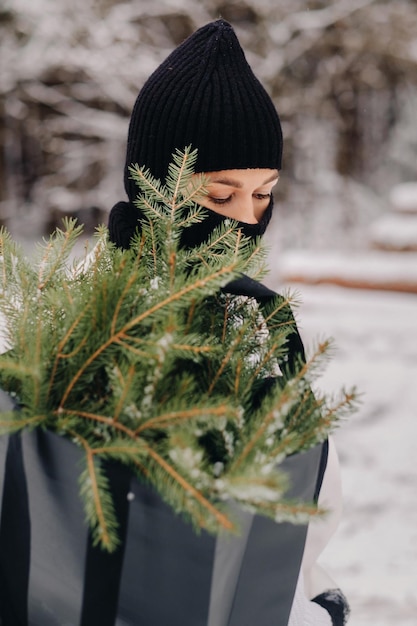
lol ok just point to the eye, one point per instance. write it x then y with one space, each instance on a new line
220 200
261 196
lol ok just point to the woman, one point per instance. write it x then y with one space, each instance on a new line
206 95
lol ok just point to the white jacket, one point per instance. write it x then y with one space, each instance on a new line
313 579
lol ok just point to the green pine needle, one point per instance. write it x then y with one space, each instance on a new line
138 357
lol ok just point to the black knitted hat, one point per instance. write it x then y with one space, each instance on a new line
204 94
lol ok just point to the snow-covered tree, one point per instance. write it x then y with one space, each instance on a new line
342 74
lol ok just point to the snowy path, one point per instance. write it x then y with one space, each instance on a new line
373 556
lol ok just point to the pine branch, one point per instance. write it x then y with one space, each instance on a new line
173 417
182 164
139 357
63 343
95 489
147 183
294 512
59 248
179 295
226 359
211 510
11 422
127 385
272 415
198 189
129 286
102 419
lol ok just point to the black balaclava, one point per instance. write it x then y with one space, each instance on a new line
204 95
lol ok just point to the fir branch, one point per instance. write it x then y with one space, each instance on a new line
146 182
82 369
38 362
182 347
130 283
346 404
174 417
294 512
235 344
68 238
273 320
63 343
285 401
198 284
195 214
197 190
74 352
8 366
11 422
122 450
266 358
182 164
179 295
127 385
220 518
95 417
94 487
301 414
271 415
284 447
5 243
140 357
154 252
315 361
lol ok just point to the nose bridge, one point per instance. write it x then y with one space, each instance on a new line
248 214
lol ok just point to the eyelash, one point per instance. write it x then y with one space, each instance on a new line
220 200
258 196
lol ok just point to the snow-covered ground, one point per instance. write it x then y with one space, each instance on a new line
373 556
370 269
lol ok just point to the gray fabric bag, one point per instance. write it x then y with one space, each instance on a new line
164 574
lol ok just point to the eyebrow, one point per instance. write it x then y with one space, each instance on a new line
232 182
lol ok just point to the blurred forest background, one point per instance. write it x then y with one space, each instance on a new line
343 75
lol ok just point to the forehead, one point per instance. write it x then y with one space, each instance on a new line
241 177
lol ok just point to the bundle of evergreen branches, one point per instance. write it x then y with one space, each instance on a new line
139 356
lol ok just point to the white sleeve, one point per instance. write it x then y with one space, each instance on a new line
321 530
313 579
307 613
